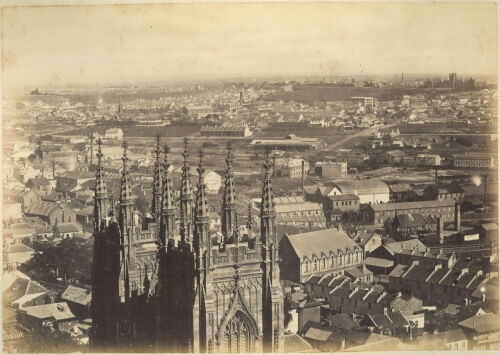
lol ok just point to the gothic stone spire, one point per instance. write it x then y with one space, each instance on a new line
186 204
272 300
267 213
167 221
229 201
125 215
156 203
100 195
201 233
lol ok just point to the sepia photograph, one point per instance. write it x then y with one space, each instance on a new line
249 177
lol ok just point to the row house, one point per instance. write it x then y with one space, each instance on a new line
473 160
451 285
301 221
354 297
404 226
377 214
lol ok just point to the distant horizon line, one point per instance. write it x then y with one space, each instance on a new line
250 77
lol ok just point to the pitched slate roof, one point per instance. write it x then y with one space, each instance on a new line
322 241
66 228
41 208
406 244
400 188
343 321
389 320
373 261
295 343
298 207
58 311
360 187
17 248
482 323
77 295
345 197
406 305
412 205
26 298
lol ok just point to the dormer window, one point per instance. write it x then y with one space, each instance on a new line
306 266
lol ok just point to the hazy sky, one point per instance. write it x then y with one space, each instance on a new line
43 46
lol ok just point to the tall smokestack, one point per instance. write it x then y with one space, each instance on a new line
303 173
440 227
457 216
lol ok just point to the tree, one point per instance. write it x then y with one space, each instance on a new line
49 341
70 259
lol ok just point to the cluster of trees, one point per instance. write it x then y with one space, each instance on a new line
49 341
69 260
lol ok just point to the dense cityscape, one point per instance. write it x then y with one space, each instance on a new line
384 199
257 177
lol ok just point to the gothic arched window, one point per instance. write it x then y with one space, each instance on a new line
306 266
315 265
323 263
332 260
237 336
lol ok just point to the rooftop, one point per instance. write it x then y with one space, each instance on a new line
58 311
77 295
411 205
323 241
482 323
